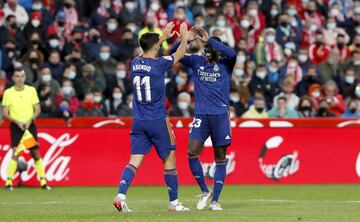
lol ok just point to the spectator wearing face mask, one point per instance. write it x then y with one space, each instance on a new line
33 60
240 81
268 50
12 7
71 17
319 51
38 6
247 33
119 78
282 110
101 14
177 85
260 82
294 12
130 13
53 44
161 15
309 79
179 18
46 79
64 110
348 83
127 46
35 25
303 58
236 102
257 110
173 10
354 63
55 65
9 54
308 35
323 110
58 29
105 65
274 72
352 110
342 47
312 14
332 31
110 31
232 15
76 58
99 101
68 93
257 19
273 15
183 107
227 35
116 102
88 108
90 80
293 70
306 107
335 101
292 100
48 108
11 32
286 33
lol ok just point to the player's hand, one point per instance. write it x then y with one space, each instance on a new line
192 33
20 125
167 32
203 35
183 31
27 125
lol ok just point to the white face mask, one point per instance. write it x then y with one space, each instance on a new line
274 12
270 39
179 80
245 24
104 56
357 10
112 26
261 75
35 23
331 26
71 75
253 12
357 92
97 99
120 74
313 28
67 90
303 58
232 115
239 72
357 62
46 78
37 6
54 43
334 12
221 23
183 105
130 6
292 11
349 79
287 51
155 7
180 16
117 96
201 2
241 58
316 94
234 98
131 105
273 69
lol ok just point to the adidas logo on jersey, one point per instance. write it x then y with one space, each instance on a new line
202 67
227 137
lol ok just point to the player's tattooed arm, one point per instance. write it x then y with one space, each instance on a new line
180 52
167 32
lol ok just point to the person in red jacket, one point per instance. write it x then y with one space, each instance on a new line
333 98
318 51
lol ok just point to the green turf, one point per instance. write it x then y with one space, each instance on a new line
241 203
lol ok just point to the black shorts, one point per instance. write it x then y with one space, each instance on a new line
16 133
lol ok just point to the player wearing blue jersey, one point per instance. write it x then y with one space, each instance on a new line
150 124
212 76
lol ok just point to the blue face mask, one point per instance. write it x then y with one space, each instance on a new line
64 107
273 77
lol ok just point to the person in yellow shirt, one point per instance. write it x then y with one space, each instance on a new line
151 27
21 106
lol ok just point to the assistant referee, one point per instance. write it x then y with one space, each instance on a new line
21 106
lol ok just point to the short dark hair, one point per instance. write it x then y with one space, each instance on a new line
282 98
19 69
148 40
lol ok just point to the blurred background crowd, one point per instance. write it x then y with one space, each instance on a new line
295 58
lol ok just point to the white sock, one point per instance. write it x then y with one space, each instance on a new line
121 196
174 202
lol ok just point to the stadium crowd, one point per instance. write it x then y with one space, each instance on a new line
295 58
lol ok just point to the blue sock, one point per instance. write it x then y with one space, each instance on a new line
197 172
171 179
219 178
127 176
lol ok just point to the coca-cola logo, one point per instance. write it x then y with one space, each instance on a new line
287 165
56 164
209 168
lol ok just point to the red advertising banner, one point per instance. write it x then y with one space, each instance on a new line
92 157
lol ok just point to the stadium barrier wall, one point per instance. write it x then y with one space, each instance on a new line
262 152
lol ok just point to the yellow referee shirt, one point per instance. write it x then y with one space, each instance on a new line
21 103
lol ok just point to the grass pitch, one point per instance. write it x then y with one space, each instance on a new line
149 203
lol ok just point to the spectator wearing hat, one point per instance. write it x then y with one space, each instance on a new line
12 7
110 31
282 110
35 25
38 6
319 51
48 108
257 110
58 28
268 50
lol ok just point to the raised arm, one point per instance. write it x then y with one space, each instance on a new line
167 32
180 52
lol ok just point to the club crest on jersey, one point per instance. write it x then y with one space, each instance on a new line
216 68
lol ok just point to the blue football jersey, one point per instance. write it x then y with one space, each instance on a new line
211 81
148 81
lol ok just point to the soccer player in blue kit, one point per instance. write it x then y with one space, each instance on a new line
150 124
212 77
